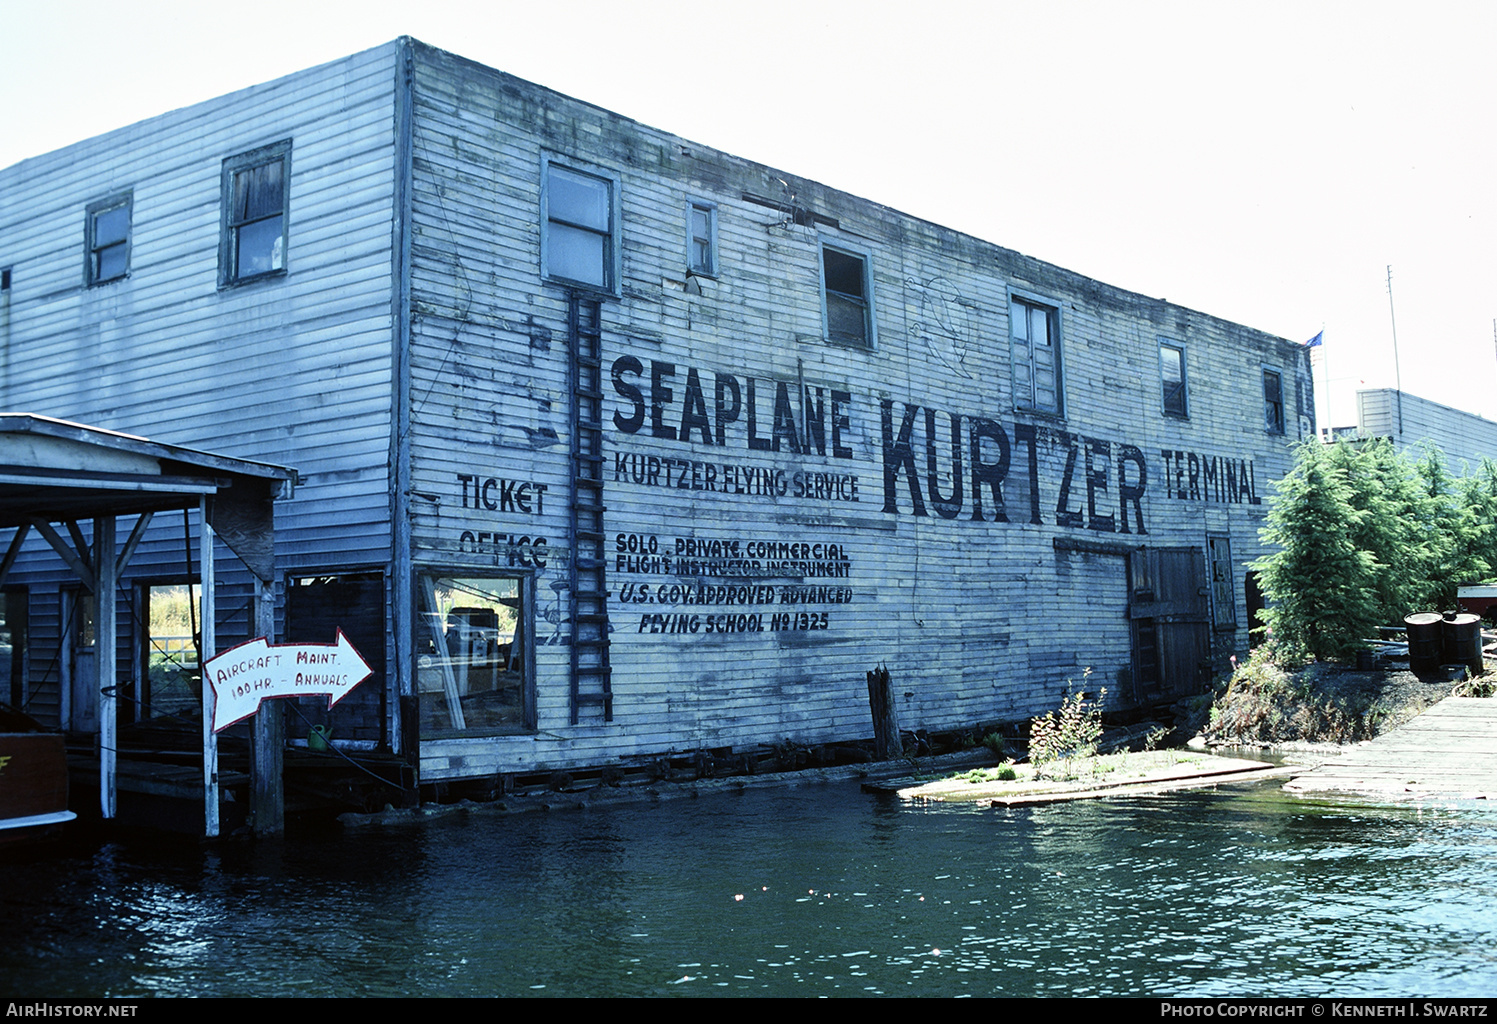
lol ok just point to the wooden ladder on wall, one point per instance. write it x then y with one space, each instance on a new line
591 674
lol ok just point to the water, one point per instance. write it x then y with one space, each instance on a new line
817 890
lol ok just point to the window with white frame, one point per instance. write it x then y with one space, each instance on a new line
107 239
580 241
1273 401
701 238
256 209
1035 331
1172 376
847 296
474 662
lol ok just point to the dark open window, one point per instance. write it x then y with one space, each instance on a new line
256 208
846 293
1273 401
14 638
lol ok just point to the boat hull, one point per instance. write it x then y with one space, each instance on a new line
33 785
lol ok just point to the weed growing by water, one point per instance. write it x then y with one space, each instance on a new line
1069 733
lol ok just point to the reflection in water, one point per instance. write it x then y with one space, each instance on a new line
820 890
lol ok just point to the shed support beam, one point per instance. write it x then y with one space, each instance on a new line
209 649
106 637
268 735
78 564
13 551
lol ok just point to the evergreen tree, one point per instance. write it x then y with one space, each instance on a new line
1323 586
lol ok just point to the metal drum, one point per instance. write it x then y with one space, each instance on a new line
1461 635
1424 642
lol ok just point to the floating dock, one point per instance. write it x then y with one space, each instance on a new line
1450 751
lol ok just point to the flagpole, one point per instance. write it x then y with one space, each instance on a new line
1397 376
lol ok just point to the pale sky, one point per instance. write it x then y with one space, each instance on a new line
1263 162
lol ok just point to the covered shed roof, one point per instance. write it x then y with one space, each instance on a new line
54 470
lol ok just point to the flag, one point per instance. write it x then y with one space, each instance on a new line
1315 340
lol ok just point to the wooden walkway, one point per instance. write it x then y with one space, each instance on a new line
1449 751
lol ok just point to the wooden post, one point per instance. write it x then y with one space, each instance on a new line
268 737
886 742
209 649
106 635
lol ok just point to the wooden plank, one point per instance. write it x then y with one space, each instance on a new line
1450 750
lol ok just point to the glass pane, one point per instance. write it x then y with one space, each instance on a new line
260 247
846 319
111 226
1170 363
173 679
109 263
470 656
700 255
577 199
1019 317
701 229
257 192
576 255
1039 326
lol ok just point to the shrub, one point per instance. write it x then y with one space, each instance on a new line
1071 731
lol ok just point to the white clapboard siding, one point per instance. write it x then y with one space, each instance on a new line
978 621
295 371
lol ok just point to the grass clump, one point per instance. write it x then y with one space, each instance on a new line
1271 699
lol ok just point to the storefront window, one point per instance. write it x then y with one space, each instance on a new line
473 654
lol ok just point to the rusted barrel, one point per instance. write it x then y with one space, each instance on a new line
1461 639
1424 642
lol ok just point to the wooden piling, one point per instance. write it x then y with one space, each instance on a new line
886 743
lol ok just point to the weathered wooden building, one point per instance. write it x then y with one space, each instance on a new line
609 444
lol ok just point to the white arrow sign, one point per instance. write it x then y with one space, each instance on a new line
243 676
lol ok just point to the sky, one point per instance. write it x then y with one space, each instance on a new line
1264 162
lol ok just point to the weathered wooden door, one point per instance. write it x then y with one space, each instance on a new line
1169 607
80 660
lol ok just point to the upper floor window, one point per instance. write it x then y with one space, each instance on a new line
107 239
701 238
1273 401
580 241
256 207
1172 373
847 296
1035 330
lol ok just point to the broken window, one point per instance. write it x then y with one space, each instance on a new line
1035 331
255 211
107 238
1172 372
1223 600
846 294
473 654
701 238
1273 401
579 241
